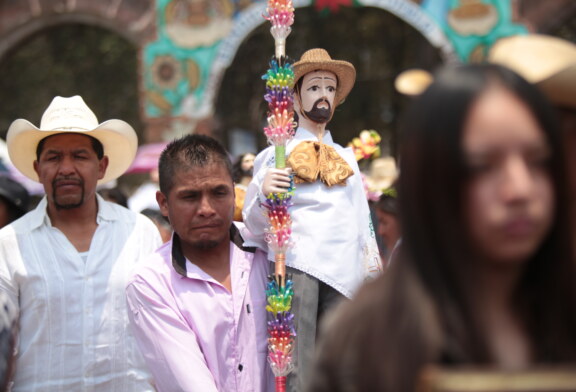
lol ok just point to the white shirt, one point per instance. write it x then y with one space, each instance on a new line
332 232
74 328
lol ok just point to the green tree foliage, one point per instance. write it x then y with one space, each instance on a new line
66 60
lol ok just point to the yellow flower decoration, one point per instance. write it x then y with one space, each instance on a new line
367 145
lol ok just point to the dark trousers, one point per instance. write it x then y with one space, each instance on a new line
312 299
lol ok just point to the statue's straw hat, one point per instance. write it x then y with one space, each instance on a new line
320 60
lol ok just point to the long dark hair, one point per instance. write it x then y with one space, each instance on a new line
436 245
420 311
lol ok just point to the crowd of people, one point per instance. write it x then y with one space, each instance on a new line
464 265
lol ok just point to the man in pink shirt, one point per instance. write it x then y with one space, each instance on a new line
198 303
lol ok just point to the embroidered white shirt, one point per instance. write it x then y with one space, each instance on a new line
74 328
332 232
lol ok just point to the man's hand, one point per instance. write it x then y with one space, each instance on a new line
276 181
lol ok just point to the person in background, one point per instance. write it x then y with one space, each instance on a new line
485 277
388 227
145 195
242 172
114 195
64 265
14 199
198 303
160 221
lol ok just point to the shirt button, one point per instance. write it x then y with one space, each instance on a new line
240 367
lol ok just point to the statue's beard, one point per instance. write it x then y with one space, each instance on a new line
319 115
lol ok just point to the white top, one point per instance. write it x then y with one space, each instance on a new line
144 197
332 231
74 327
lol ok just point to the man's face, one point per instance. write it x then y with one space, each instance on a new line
247 163
69 169
200 206
317 95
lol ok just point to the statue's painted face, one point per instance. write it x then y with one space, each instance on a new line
317 95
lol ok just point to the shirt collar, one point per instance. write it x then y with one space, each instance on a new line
39 215
105 210
304 134
179 261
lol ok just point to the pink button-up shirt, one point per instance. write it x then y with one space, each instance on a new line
194 334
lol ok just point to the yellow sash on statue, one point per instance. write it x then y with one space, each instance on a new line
312 160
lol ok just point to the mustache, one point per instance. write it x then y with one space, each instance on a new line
319 101
202 223
67 180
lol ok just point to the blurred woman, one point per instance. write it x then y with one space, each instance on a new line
485 275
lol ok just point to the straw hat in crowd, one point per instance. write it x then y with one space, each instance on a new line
546 61
72 115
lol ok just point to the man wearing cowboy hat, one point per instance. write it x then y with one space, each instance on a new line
65 264
334 248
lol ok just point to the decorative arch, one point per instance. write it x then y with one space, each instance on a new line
134 21
251 18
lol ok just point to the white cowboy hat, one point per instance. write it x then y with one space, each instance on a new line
72 115
546 61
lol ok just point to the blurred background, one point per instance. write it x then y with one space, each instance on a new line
171 67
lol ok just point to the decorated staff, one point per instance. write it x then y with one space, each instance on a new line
280 129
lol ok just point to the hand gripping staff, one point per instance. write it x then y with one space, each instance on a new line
280 129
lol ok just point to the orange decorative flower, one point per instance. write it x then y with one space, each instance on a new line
367 145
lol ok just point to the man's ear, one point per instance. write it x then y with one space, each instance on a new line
36 169
102 166
162 201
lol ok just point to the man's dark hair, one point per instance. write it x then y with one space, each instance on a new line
187 152
388 204
115 195
96 145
